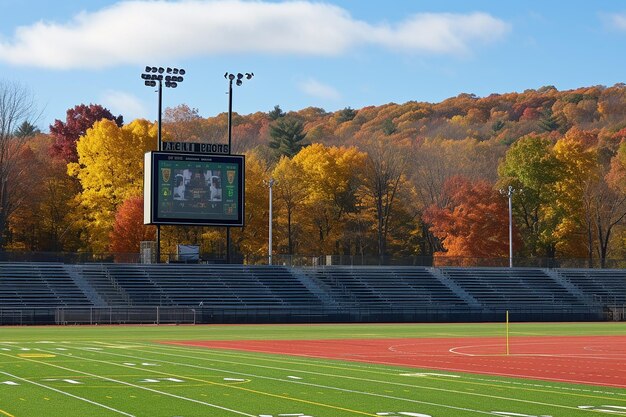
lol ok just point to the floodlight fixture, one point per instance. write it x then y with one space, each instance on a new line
231 77
150 76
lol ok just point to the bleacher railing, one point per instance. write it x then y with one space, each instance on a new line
316 260
208 315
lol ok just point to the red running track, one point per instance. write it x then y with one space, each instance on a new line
597 360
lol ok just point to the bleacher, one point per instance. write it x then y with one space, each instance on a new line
389 286
329 291
511 287
601 286
209 285
38 285
98 277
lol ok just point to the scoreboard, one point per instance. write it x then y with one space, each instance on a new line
193 189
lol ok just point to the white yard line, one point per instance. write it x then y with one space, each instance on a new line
126 383
289 381
67 394
351 366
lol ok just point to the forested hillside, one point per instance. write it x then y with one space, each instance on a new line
390 181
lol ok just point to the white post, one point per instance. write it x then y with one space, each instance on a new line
510 194
269 250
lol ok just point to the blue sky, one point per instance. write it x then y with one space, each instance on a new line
332 54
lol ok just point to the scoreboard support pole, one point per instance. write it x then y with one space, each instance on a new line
230 143
160 148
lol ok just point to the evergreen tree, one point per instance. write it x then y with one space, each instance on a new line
346 115
287 137
26 129
277 113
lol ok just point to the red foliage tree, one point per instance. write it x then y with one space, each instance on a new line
474 223
129 230
77 121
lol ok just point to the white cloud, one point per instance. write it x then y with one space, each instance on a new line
317 89
134 32
120 102
615 21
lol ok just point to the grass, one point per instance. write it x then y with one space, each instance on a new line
123 370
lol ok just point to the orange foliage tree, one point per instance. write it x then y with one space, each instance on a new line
474 222
128 229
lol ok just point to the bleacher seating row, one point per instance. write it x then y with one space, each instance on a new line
178 285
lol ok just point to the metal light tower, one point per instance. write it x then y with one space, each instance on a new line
152 77
509 193
239 81
270 184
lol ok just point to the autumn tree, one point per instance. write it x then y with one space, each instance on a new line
474 222
251 240
290 193
184 124
77 121
128 228
531 167
42 222
606 204
332 179
580 170
17 106
385 166
110 170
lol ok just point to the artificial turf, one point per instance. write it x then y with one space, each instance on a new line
80 371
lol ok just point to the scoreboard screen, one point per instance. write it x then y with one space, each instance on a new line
193 189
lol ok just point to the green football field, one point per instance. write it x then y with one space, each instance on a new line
98 371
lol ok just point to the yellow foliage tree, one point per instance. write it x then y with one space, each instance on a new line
332 178
580 169
290 193
252 238
110 169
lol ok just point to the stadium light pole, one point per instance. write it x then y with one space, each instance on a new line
238 81
270 184
153 76
509 193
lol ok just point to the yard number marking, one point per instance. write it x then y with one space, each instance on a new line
69 381
286 415
156 380
421 374
404 413
613 409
